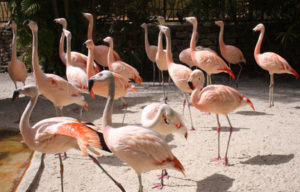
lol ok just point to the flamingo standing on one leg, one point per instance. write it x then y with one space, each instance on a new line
178 73
207 60
53 87
141 148
101 51
150 49
120 67
231 54
59 134
77 59
219 99
271 62
100 88
16 68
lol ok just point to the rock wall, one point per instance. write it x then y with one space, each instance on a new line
5 48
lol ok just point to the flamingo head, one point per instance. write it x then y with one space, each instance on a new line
31 24
160 20
259 27
89 44
164 29
196 79
108 39
28 90
101 77
88 16
144 25
192 20
219 23
61 21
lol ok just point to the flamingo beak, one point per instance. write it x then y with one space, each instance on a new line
26 22
16 94
186 135
91 84
191 85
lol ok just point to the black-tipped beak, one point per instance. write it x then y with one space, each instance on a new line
26 22
15 95
191 85
91 84
83 48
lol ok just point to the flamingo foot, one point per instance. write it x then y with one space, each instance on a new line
192 128
157 186
226 161
215 159
124 106
64 156
165 176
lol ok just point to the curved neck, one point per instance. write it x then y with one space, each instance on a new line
24 125
157 119
14 47
221 41
90 62
159 42
110 55
90 28
35 61
62 53
68 62
195 98
107 113
194 38
259 42
169 51
147 45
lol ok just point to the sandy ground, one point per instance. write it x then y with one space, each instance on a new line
264 154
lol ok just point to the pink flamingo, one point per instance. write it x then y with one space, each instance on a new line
101 51
77 59
100 88
16 68
120 67
150 49
53 87
59 134
141 148
271 62
231 54
178 73
219 99
208 61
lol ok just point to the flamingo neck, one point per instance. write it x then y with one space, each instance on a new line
195 97
90 28
14 47
221 40
147 45
24 125
169 52
193 38
159 43
258 44
35 61
68 62
90 62
110 55
158 117
107 113
62 53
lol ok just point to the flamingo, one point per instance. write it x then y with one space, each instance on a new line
120 67
219 99
16 68
53 87
271 62
141 148
208 61
101 51
230 53
178 73
77 59
100 88
150 49
59 134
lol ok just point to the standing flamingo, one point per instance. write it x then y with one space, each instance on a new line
16 68
59 134
77 59
141 148
150 49
121 67
100 88
178 73
271 62
53 87
231 54
101 51
219 99
207 60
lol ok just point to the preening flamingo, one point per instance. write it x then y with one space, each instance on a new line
121 67
77 59
230 53
271 62
16 68
219 99
150 49
208 61
101 88
141 148
53 87
59 134
178 73
100 51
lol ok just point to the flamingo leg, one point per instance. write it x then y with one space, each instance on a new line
272 90
125 104
183 106
238 76
188 104
98 164
61 172
58 111
230 132
140 183
16 85
153 74
163 84
19 113
164 174
218 130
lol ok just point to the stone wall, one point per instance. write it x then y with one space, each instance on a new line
5 48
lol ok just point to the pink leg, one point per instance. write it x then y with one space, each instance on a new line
230 132
61 172
64 156
163 175
218 130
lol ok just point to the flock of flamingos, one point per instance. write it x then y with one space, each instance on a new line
141 147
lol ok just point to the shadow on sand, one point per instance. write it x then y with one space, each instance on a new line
215 182
252 113
269 159
226 129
